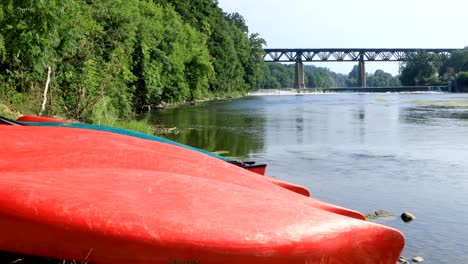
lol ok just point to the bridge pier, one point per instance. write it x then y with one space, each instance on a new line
299 75
362 78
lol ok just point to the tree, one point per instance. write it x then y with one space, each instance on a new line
254 67
236 56
382 79
277 75
457 65
31 29
353 77
2 42
420 69
458 62
462 79
319 77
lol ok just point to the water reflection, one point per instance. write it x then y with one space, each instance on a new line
229 132
299 130
361 114
430 114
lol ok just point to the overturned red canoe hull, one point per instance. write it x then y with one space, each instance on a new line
250 166
66 193
33 118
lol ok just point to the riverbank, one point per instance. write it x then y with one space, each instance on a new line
139 122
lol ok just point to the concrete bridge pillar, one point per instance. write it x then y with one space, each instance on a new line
299 76
362 73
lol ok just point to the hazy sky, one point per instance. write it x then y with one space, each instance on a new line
356 24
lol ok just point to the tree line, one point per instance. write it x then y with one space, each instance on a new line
104 57
278 75
424 69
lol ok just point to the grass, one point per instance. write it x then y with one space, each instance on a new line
136 125
5 111
221 152
142 126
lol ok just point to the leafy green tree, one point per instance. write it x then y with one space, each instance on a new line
382 79
457 65
340 79
198 67
278 75
119 21
318 77
171 59
458 62
148 56
420 69
31 29
353 77
79 73
462 79
2 41
268 81
254 66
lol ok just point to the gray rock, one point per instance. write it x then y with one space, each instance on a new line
407 217
402 260
418 259
383 213
379 213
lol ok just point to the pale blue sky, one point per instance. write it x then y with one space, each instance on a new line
356 24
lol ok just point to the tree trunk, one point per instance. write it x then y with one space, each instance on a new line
46 89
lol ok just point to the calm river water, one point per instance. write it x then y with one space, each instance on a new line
397 152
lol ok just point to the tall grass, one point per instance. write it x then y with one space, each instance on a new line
136 125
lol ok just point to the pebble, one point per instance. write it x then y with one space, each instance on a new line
407 217
378 214
383 213
418 259
402 260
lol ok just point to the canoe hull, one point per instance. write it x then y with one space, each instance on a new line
249 165
66 193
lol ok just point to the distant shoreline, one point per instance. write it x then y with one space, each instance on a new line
354 90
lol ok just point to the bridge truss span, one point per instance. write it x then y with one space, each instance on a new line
360 55
294 55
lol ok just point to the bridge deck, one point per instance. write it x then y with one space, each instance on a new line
292 55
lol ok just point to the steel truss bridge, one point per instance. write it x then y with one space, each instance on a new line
342 55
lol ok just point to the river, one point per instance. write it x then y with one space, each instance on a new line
393 151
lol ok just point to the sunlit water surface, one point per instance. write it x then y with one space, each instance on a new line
397 152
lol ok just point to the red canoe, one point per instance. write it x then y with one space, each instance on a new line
33 118
65 193
248 165
251 166
289 186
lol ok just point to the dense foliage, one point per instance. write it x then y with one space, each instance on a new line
109 58
423 69
282 76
